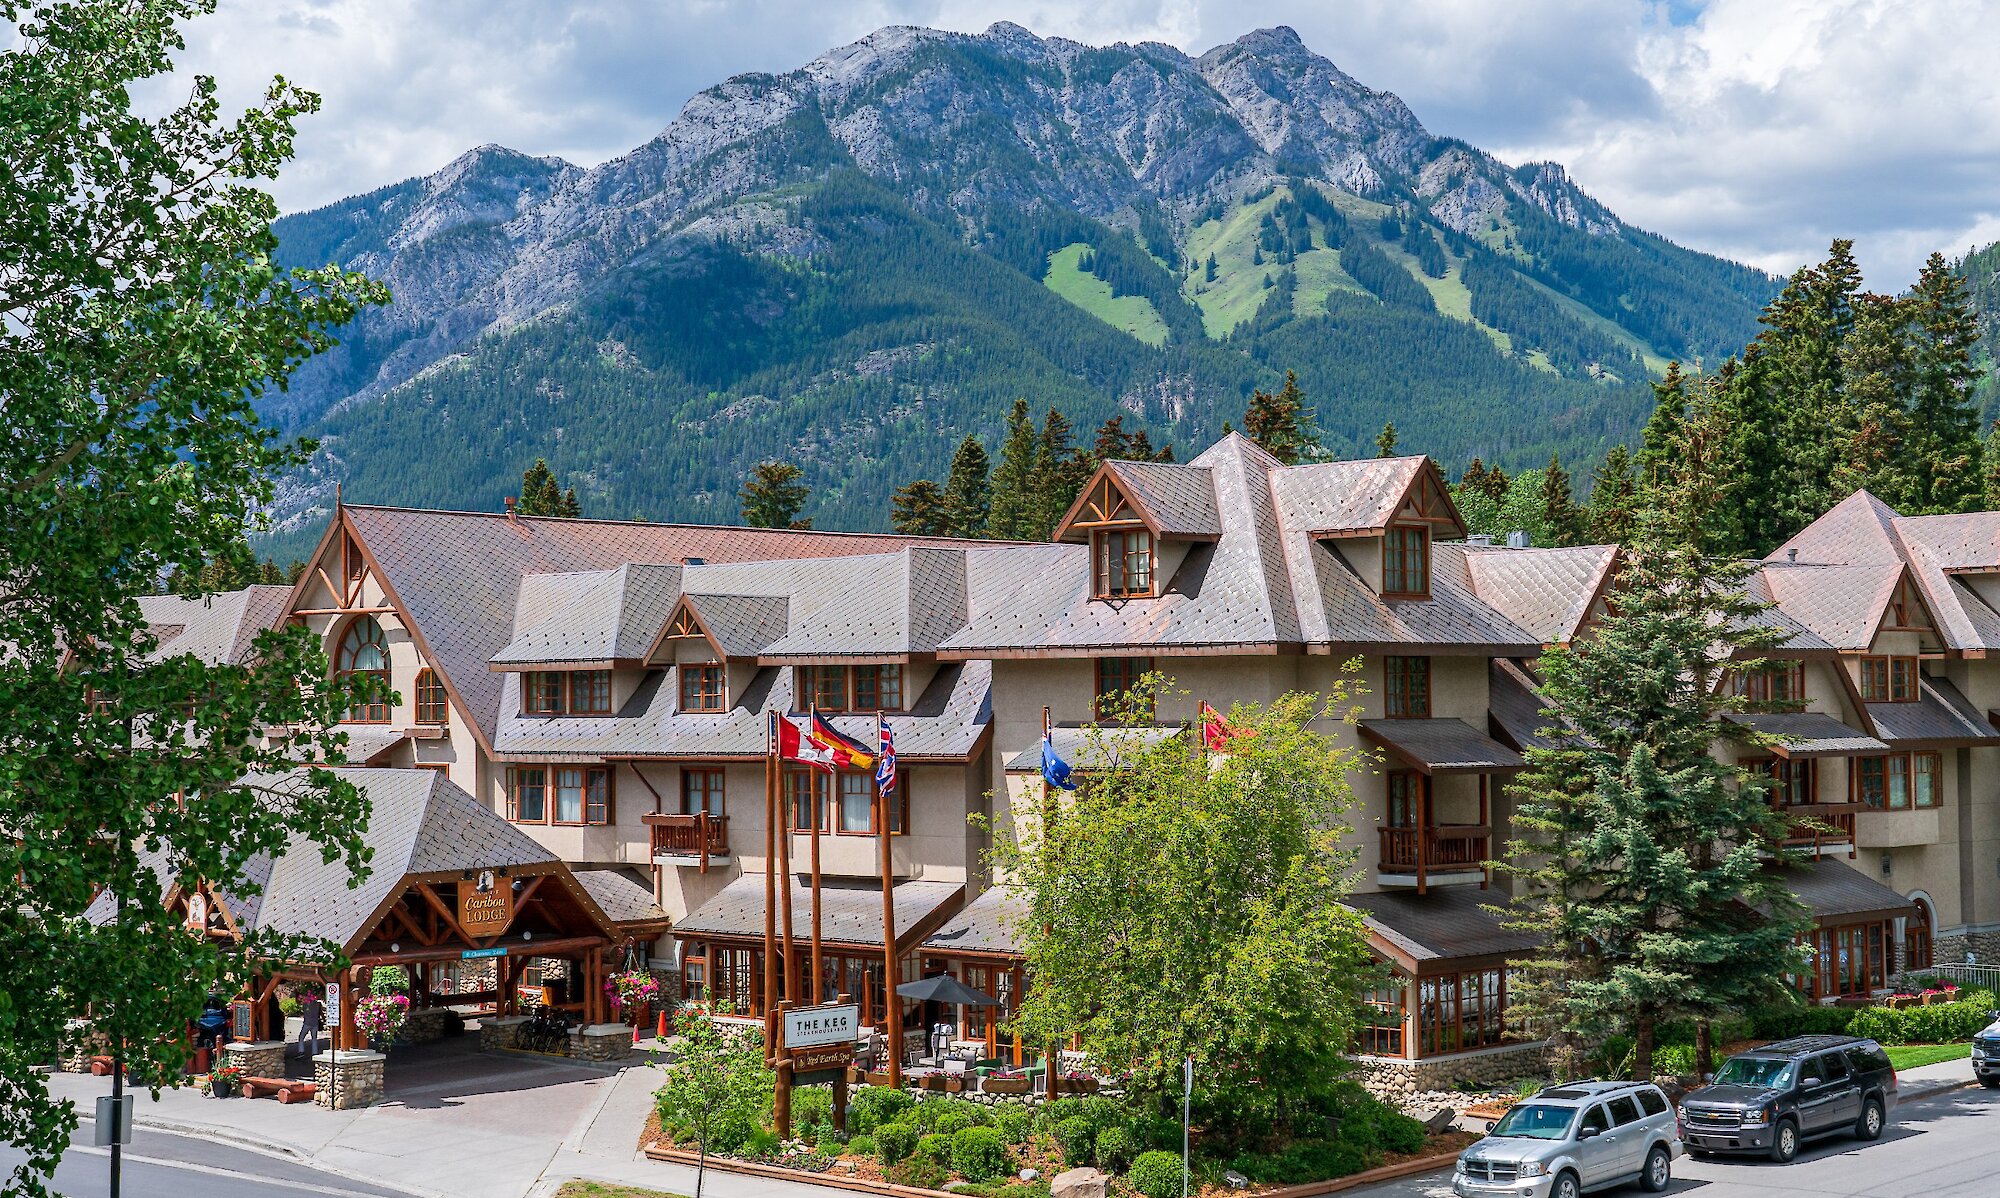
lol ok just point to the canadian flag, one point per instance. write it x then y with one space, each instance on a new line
1216 732
793 745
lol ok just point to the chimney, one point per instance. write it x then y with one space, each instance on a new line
510 501
1792 554
1517 539
1479 538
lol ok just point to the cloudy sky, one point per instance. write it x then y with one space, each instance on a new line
1758 129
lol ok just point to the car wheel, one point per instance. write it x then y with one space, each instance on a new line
1566 1186
1991 1083
1869 1125
1785 1142
1659 1172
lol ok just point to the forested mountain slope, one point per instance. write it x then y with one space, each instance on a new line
855 264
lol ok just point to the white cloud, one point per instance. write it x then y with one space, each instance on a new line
1760 129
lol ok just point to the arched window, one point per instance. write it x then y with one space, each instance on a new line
365 650
1917 950
430 697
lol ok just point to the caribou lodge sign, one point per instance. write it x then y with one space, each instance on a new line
485 904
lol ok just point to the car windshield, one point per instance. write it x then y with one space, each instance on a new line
1755 1071
1535 1121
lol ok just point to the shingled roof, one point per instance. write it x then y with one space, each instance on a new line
216 629
1940 718
613 619
1548 592
850 911
987 924
458 574
1425 933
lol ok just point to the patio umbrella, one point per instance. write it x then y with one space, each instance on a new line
945 988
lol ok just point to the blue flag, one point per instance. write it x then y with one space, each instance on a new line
1055 771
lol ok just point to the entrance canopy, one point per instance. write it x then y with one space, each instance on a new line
1442 746
1809 734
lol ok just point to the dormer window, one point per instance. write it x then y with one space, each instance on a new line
570 692
1123 563
1406 561
1888 680
1775 682
702 689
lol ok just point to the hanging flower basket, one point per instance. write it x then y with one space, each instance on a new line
632 990
380 1017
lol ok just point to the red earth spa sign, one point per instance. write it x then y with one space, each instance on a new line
485 904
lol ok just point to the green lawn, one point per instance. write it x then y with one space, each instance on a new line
1132 314
601 1189
1909 1056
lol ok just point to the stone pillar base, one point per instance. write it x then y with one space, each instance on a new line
500 1033
355 1080
80 1042
261 1058
601 1042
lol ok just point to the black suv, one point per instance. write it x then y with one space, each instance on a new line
1770 1099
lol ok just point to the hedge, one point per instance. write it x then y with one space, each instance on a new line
1156 1174
979 1154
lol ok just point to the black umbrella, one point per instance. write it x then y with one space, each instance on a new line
945 988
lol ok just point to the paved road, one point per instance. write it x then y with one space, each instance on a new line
1942 1147
161 1165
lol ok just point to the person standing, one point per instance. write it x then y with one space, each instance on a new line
312 1019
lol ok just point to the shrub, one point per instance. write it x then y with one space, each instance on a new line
894 1142
1798 1019
1076 1139
1115 1150
1676 1060
861 1146
1052 1114
923 1174
761 1142
812 1106
979 1154
934 1148
872 1106
1156 1175
1103 1112
937 1106
1016 1123
1877 1023
950 1123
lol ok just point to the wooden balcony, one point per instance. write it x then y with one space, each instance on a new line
1835 834
689 839
1459 851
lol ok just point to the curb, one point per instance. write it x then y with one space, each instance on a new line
1918 1095
271 1148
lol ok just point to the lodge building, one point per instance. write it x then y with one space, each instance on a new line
607 688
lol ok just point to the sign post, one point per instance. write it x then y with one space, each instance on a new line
333 1067
816 1046
1187 1106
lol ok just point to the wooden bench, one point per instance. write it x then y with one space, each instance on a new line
287 1091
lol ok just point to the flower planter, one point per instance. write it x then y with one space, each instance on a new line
1006 1085
1078 1085
223 1089
877 1079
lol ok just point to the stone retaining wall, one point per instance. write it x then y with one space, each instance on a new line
359 1083
427 1024
1397 1080
601 1042
81 1042
500 1032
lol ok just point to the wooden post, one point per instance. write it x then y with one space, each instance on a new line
791 971
1423 830
1050 1066
770 887
892 1006
840 1083
1486 821
818 818
781 1100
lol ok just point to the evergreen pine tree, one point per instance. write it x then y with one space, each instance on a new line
1991 472
1280 423
540 496
773 496
1659 443
1643 852
1208 270
1797 357
1474 478
1385 441
921 509
1559 511
1612 511
1060 472
1944 423
1875 359
967 492
1013 512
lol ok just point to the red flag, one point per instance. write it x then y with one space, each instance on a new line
794 746
1216 732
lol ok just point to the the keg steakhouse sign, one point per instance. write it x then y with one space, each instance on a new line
485 904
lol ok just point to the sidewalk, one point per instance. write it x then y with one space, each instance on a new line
1926 1080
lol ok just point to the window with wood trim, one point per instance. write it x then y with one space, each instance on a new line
1383 1013
1406 561
364 652
559 794
844 802
1889 679
572 692
703 688
870 687
1116 679
1774 682
1794 782
1408 693
1918 951
1897 781
431 703
1849 959
1405 789
528 794
702 791
1122 563
1458 1012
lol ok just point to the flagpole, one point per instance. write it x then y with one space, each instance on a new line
770 886
892 1006
786 978
818 819
1048 857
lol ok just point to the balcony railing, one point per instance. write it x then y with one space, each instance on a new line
702 837
1837 832
1444 849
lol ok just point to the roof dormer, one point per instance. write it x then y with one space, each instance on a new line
1127 511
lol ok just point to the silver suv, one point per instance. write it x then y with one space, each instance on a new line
1572 1139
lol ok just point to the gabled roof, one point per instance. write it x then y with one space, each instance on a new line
1514 709
739 626
1360 497
457 574
850 912
624 899
218 629
1424 932
988 924
1842 605
1175 500
612 621
1548 592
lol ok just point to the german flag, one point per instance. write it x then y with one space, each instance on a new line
848 753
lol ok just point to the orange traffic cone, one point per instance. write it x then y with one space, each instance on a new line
663 1025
